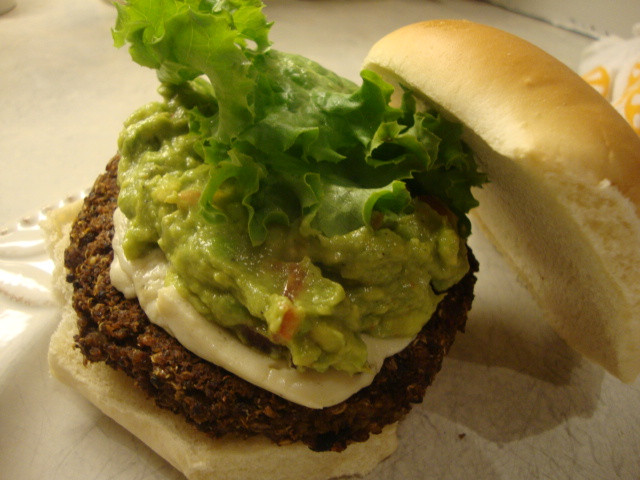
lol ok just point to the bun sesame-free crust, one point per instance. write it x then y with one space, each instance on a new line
563 196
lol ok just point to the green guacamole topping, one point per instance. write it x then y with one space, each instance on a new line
295 208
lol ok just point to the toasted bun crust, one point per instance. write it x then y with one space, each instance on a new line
564 169
195 454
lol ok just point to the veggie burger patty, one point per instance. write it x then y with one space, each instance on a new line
116 330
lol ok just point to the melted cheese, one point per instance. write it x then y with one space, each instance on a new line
144 278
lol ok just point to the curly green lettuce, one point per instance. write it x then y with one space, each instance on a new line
298 141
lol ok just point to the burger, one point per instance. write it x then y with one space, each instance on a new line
271 269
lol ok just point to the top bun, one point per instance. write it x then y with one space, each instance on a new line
564 170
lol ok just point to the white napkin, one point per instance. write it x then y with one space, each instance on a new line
612 66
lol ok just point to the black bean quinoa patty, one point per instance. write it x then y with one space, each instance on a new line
115 330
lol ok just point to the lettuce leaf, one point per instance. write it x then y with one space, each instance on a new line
297 141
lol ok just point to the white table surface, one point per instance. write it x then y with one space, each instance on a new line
512 401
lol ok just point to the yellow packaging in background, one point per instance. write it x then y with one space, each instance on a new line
612 66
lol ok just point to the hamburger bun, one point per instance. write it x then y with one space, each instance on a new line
563 196
195 454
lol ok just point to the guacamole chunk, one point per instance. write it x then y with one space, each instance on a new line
311 292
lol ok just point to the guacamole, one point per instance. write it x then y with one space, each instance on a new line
297 209
310 295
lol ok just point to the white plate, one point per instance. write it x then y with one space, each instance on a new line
512 400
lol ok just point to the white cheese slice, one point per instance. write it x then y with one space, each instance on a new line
165 307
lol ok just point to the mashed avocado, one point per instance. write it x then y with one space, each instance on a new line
296 208
311 295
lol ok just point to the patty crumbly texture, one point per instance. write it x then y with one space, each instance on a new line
115 330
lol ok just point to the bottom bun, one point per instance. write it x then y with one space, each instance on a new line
195 454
